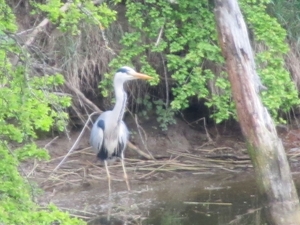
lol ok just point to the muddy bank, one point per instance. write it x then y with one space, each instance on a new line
193 164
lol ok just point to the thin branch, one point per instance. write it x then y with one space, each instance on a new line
166 81
83 98
75 143
159 35
137 150
141 136
43 24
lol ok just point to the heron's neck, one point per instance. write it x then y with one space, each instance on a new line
121 99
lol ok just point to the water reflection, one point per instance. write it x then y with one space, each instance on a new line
229 203
212 201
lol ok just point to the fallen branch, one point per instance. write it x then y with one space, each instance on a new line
41 26
82 97
75 143
139 151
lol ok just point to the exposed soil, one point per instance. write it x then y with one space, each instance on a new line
185 155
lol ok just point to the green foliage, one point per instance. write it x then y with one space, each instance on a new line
78 12
223 104
29 151
28 104
6 16
188 39
282 93
164 114
146 105
16 205
22 113
287 13
184 32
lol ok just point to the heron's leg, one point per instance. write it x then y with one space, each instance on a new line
108 177
125 174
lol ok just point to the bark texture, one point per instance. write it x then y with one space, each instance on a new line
265 148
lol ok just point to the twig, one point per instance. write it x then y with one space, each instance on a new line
137 150
79 211
83 98
208 203
139 130
159 35
204 123
166 81
33 169
148 174
212 150
106 42
74 145
79 151
46 146
239 217
42 24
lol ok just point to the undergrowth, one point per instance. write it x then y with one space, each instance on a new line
184 32
28 105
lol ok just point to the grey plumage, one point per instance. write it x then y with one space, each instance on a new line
109 134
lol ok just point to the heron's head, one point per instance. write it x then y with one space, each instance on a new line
126 73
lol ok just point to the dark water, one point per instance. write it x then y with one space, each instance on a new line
230 203
209 200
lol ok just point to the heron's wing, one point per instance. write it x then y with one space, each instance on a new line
124 133
123 138
96 138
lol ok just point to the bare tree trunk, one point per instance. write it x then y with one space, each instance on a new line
265 148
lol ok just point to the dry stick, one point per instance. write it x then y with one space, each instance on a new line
208 203
294 155
159 35
164 67
61 175
42 24
136 149
74 145
201 158
140 152
204 123
79 211
170 165
214 149
49 143
166 81
33 169
153 171
83 98
240 217
79 151
139 130
89 14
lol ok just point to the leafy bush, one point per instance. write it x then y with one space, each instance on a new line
184 32
78 11
28 104
282 93
287 13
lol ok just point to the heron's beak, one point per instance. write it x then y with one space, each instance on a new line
141 76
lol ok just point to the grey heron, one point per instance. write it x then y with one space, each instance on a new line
109 134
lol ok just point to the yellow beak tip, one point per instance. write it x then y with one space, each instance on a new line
143 76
